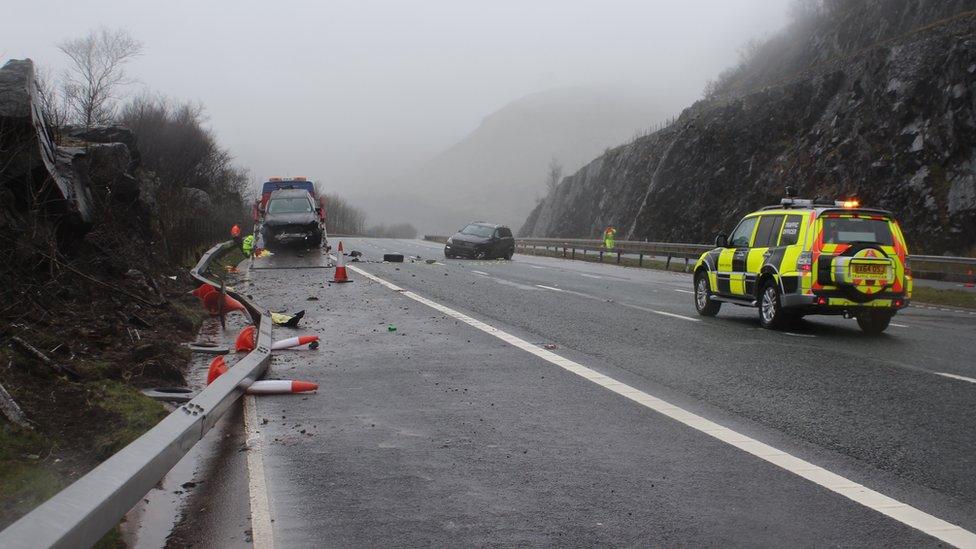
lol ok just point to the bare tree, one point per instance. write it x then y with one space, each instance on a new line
553 176
97 72
55 105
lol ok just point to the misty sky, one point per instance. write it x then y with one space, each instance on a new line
356 92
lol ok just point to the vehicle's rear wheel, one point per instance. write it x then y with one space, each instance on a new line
874 322
771 314
704 303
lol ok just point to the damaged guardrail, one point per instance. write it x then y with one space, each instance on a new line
933 267
82 513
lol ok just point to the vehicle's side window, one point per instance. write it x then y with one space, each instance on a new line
496 234
768 232
791 230
743 233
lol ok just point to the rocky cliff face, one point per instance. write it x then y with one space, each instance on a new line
893 123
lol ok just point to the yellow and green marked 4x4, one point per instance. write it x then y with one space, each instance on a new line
806 257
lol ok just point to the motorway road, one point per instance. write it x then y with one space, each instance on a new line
459 428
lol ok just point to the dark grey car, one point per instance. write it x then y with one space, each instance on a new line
292 217
481 241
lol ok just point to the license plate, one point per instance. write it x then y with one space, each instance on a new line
873 271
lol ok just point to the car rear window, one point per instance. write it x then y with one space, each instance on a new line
289 205
504 232
849 230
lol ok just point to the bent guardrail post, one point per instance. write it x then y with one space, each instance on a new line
82 513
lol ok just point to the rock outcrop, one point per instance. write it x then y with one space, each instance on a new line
893 124
65 183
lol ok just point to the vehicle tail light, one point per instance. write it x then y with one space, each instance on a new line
821 300
805 262
908 267
899 303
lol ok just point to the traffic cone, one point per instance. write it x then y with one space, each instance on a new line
311 341
217 368
211 302
246 342
972 280
203 291
340 270
280 387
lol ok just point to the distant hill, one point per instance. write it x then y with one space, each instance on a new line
865 98
497 171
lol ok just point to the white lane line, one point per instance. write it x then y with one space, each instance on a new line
858 493
536 267
794 334
655 311
482 273
897 325
262 534
954 376
550 288
590 276
684 291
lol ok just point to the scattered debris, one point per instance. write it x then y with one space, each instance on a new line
30 350
11 411
431 261
355 253
286 319
391 328
312 298
549 346
393 258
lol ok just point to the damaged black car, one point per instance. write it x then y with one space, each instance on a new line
292 218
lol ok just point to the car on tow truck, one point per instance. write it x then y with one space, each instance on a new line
804 257
292 218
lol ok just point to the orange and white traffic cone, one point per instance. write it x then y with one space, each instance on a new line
203 291
217 368
211 302
246 341
972 280
281 387
340 270
311 341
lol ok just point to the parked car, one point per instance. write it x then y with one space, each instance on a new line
292 217
481 240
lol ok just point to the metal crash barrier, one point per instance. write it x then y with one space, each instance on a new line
82 513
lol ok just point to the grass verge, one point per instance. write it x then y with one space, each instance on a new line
952 298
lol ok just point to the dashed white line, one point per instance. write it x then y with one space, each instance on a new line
482 273
794 334
550 288
858 493
663 313
591 276
536 267
954 376
898 325
684 291
262 533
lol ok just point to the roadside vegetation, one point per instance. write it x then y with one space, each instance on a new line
105 308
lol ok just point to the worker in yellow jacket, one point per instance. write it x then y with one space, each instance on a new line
609 238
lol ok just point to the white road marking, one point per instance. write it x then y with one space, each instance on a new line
898 325
262 533
550 288
794 334
482 273
515 284
858 493
590 276
684 291
954 376
536 267
655 311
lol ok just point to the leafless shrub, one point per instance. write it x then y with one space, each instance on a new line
342 217
96 73
553 176
396 230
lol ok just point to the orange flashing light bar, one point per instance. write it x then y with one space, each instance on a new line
850 203
274 179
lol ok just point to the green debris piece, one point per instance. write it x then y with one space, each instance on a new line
391 328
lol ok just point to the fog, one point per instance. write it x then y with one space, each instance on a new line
359 94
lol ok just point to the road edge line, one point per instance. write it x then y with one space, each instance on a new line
856 492
262 532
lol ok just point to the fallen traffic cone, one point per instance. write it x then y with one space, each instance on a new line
203 291
280 387
211 302
217 368
311 341
340 270
246 342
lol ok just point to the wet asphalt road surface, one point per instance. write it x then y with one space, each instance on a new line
440 434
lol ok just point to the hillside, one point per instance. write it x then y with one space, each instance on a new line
497 171
868 98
